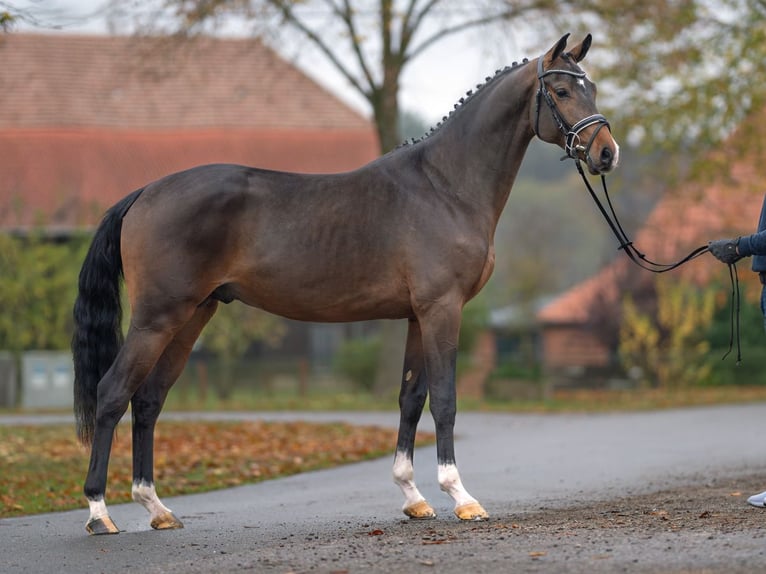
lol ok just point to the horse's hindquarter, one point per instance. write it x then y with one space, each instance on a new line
338 247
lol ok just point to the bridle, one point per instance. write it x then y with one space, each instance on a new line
573 147
572 142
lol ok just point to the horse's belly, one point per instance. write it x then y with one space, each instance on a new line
337 300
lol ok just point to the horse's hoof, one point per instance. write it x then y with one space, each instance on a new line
471 511
167 521
420 511
103 525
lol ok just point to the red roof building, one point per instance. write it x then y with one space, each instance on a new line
726 204
84 120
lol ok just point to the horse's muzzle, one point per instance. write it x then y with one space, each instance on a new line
605 161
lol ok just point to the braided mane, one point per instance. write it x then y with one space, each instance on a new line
469 95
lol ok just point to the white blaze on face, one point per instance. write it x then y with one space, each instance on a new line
145 494
581 82
449 482
404 477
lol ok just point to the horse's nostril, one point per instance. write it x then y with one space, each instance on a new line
606 156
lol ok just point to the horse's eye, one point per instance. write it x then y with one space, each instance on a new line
562 93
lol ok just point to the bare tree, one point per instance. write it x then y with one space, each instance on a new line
368 43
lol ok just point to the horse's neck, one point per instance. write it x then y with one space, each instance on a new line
478 151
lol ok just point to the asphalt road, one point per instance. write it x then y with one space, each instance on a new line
523 468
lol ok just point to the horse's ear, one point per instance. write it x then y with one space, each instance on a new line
579 51
555 52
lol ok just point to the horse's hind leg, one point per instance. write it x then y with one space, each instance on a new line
412 397
146 406
142 348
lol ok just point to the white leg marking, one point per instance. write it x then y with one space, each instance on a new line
449 482
97 508
404 477
146 496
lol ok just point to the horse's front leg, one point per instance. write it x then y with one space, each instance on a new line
440 326
412 397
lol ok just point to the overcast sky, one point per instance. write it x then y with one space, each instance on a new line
430 86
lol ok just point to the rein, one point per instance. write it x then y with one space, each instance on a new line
626 244
642 261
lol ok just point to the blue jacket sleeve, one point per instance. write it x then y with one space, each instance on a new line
754 244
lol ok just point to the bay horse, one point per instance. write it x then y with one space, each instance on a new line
407 236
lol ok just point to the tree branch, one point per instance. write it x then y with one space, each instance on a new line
286 11
410 26
507 14
348 18
457 28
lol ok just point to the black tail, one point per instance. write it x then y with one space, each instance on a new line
98 316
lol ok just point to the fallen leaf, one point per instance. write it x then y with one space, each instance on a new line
43 469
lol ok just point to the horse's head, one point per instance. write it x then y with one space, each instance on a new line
565 110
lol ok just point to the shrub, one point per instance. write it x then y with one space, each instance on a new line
357 361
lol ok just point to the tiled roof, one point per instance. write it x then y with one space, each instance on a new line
84 120
66 178
158 83
685 218
573 306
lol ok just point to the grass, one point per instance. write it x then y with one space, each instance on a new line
581 400
250 400
599 400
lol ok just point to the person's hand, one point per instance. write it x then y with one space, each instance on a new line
725 250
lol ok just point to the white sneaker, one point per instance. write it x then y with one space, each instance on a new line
758 500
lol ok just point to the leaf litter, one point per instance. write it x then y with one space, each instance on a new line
44 466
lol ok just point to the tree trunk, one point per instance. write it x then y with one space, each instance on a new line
385 107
